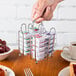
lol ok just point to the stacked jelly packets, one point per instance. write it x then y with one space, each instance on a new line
42 46
37 42
24 43
24 39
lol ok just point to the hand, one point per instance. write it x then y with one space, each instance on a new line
43 10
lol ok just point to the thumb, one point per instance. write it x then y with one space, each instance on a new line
48 12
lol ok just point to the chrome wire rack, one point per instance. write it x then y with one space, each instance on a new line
33 39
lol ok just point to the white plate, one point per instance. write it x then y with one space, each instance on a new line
65 72
67 57
8 70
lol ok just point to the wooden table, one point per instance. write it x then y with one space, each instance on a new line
46 67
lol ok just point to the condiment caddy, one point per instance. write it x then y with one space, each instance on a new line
33 39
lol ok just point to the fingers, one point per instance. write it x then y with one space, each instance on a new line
39 20
47 15
34 10
49 18
39 11
42 5
48 12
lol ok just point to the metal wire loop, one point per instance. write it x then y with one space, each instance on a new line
23 24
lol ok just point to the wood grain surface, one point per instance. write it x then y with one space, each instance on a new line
47 67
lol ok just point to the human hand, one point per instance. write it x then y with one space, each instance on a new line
43 10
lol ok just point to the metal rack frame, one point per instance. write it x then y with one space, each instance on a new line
51 38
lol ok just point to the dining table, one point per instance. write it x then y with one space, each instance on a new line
49 66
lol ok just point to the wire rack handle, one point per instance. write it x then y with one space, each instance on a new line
53 30
23 25
30 26
40 27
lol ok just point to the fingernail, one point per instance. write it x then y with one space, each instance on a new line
36 16
49 8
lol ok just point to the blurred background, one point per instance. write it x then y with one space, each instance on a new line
15 12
